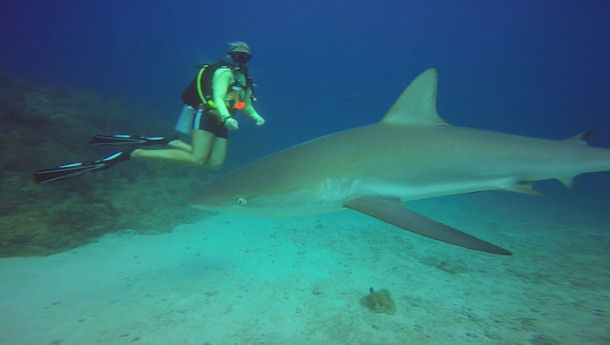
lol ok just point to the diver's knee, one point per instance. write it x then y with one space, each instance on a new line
214 165
199 162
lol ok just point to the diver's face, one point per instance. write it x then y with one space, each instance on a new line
240 57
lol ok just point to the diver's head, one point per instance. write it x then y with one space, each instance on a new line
239 52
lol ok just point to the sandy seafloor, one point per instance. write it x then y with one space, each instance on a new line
232 279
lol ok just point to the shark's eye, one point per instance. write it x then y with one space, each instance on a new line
242 201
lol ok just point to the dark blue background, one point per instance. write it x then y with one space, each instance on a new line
531 67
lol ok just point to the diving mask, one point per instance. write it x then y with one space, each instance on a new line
240 57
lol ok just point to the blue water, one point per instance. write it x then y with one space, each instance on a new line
537 68
530 67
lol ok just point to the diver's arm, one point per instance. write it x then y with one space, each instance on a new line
220 84
249 109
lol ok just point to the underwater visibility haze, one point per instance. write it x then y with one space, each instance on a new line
119 256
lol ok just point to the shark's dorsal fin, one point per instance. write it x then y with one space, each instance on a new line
417 103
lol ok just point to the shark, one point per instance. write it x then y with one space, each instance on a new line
411 154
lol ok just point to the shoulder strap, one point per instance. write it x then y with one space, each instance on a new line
205 79
206 75
199 90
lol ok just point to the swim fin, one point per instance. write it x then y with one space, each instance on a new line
76 169
124 139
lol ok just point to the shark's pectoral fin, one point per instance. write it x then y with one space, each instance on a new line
395 213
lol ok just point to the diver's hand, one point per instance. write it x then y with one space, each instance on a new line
259 120
231 124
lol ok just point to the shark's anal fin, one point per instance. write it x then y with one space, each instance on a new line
395 213
580 139
523 187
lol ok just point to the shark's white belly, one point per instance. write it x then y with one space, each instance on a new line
407 191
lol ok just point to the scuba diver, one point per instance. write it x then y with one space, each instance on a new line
211 99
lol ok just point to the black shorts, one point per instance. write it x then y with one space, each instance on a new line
206 121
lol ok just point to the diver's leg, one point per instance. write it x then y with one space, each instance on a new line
217 156
201 148
180 145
